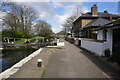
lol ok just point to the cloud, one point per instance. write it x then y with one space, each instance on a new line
47 12
57 5
44 9
50 11
69 10
63 0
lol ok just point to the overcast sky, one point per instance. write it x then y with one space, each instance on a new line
55 13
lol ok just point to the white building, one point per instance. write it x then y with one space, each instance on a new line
95 31
108 36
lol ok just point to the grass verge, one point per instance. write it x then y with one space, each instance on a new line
21 41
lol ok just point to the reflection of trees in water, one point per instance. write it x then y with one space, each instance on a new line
17 52
12 56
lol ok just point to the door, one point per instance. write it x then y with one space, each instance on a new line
116 44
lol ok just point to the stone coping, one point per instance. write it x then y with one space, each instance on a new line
100 41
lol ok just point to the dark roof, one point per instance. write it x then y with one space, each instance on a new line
97 22
88 15
100 14
112 24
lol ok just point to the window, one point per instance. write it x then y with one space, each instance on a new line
81 34
94 35
105 35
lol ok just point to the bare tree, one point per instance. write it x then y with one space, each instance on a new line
11 20
21 18
68 24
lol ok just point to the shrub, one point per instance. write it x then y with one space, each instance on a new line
15 34
107 52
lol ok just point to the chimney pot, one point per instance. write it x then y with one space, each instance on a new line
95 5
94 10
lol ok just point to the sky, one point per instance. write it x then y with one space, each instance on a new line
56 12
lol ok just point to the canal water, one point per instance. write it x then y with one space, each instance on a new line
9 57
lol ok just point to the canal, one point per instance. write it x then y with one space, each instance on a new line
10 56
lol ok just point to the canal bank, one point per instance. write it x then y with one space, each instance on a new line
17 66
11 56
30 69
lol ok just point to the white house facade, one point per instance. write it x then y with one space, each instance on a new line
98 46
97 31
108 36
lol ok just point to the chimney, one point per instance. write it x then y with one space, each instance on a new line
94 10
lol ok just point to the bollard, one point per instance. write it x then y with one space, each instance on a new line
39 64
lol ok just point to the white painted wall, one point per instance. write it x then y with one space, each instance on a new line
60 44
98 47
108 43
92 46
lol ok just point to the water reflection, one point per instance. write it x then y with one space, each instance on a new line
14 55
